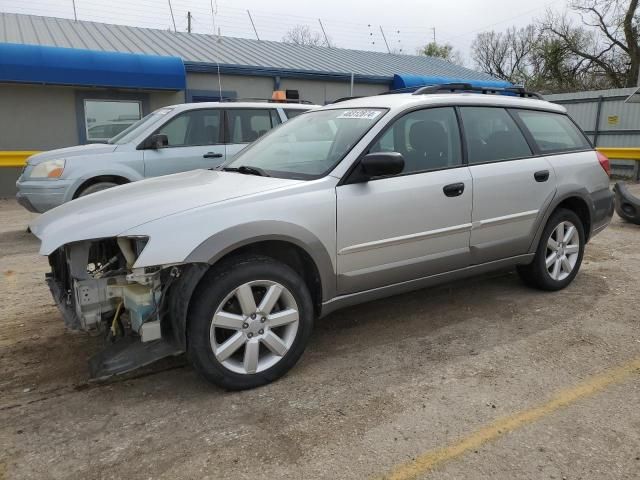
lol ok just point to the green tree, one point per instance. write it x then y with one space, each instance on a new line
441 50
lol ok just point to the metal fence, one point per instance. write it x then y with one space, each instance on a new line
612 123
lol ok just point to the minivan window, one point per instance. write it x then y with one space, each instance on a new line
247 125
492 135
311 145
193 128
552 131
134 130
427 139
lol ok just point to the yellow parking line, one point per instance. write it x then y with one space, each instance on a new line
429 460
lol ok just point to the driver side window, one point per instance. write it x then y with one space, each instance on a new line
197 127
428 139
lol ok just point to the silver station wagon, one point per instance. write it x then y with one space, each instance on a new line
351 202
170 140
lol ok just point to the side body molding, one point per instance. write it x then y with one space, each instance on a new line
220 244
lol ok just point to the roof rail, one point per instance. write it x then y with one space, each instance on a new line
467 87
265 100
344 99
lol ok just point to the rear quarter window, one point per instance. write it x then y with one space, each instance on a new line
552 132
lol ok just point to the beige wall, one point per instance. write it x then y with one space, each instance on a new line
321 92
316 91
162 99
34 117
258 87
43 117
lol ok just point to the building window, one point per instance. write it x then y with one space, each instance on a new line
105 119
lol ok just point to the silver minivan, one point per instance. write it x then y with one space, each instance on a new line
170 140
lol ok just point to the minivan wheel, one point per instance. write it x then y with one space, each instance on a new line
249 323
96 187
559 253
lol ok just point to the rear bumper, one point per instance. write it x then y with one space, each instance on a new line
603 207
40 196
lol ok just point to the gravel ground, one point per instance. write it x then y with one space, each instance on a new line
379 385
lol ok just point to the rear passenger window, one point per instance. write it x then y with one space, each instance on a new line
427 139
247 125
552 131
492 135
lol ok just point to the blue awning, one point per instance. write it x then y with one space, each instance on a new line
409 81
70 66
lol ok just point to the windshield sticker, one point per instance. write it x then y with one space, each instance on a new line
360 114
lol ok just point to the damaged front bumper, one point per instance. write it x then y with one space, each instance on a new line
97 290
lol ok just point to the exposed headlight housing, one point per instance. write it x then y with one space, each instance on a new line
131 247
48 169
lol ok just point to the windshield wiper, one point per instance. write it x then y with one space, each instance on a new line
246 170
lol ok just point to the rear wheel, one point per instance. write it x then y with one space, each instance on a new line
96 187
250 322
559 253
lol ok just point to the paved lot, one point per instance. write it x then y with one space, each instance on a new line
480 379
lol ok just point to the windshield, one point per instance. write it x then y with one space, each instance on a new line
134 129
309 146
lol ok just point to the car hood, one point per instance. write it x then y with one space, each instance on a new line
110 212
69 152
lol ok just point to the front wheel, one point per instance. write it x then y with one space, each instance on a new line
250 322
96 187
559 253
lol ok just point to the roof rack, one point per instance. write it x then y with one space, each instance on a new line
265 100
344 99
467 87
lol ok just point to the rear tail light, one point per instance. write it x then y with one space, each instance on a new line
604 163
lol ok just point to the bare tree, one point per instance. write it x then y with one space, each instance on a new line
303 35
507 55
608 40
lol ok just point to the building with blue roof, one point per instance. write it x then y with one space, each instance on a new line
66 82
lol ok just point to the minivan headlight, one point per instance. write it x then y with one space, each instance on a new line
48 169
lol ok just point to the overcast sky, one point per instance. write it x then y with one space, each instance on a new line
407 24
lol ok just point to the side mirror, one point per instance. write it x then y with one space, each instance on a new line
381 164
157 141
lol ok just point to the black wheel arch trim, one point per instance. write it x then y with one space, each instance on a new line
220 244
594 201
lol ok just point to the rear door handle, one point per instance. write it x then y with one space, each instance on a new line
453 190
541 176
212 155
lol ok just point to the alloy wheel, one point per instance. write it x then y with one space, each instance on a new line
563 250
254 326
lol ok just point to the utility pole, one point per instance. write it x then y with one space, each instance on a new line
172 17
253 25
75 15
385 39
189 17
213 16
326 39
434 34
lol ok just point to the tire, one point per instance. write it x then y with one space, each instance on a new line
221 329
565 259
96 187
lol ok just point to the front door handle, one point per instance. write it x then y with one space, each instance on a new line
212 155
453 190
541 176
